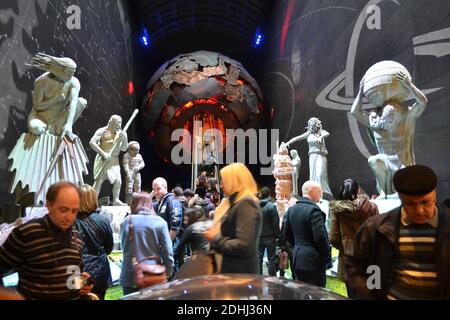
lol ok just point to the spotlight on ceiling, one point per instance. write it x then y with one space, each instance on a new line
258 38
145 38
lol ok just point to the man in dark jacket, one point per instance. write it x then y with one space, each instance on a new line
404 253
169 208
179 195
209 205
305 229
270 232
202 201
188 195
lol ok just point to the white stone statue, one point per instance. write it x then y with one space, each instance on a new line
296 163
108 142
132 163
50 146
56 104
315 136
387 84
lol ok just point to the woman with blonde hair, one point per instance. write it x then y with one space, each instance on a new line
97 238
238 221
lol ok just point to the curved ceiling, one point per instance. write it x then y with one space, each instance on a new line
239 18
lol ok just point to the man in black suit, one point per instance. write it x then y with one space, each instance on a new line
270 232
305 229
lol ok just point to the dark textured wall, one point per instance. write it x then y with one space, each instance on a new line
314 69
304 73
109 54
102 49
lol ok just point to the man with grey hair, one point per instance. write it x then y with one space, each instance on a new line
169 208
305 229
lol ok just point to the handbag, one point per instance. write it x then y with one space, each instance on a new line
96 265
284 260
145 274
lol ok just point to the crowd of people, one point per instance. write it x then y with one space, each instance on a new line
64 255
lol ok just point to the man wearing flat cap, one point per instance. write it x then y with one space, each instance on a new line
404 253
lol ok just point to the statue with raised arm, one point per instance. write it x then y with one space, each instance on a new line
50 144
387 84
315 136
108 142
132 163
296 163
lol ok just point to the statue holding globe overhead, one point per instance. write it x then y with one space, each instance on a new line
387 84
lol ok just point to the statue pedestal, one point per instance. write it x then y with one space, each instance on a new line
386 205
34 213
30 214
324 206
32 157
115 215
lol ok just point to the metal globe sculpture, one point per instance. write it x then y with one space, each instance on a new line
205 84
